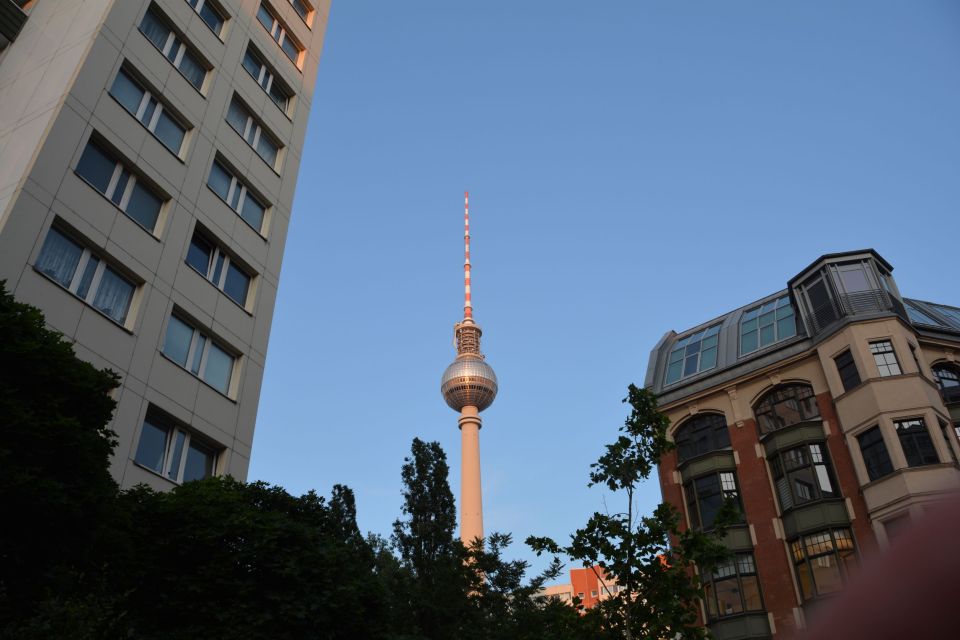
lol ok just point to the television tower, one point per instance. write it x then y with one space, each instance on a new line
469 386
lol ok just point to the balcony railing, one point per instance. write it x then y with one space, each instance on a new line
858 303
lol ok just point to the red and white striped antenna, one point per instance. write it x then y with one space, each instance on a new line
467 307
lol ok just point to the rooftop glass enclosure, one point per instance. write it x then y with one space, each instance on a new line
842 285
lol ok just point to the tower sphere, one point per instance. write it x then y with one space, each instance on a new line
469 382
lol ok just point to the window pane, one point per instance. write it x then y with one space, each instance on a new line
826 574
152 446
173 467
96 167
673 372
708 359
916 443
169 132
290 49
219 180
263 15
59 257
127 92
806 580
236 284
751 593
690 367
155 30
267 149
198 255
786 328
252 65
199 463
144 206
237 117
218 368
300 8
192 70
766 335
748 342
279 96
211 17
854 279
252 212
176 346
728 597
113 295
874 451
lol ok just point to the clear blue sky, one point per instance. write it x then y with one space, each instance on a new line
634 167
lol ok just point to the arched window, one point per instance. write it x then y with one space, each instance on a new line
948 381
702 434
785 406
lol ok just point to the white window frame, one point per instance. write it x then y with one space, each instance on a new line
74 285
201 364
168 48
215 255
216 9
110 192
884 346
151 126
307 19
238 189
253 125
279 34
265 78
169 446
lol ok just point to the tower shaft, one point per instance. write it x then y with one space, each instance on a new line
469 386
471 500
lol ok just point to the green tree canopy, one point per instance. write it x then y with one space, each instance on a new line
55 486
220 558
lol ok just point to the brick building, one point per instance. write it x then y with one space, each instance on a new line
828 412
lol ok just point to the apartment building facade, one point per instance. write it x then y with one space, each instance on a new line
829 413
149 151
590 585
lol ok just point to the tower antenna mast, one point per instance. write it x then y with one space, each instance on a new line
467 307
469 386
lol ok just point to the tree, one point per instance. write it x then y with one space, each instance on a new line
504 607
433 583
650 557
55 485
221 558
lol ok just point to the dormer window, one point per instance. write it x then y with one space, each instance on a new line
771 322
693 354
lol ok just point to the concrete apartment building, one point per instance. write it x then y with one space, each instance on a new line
828 412
149 151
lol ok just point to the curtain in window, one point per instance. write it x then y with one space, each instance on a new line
59 257
155 30
113 296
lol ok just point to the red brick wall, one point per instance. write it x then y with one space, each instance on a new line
773 567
